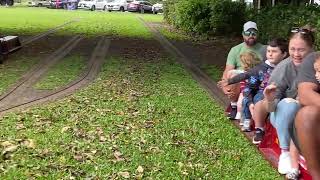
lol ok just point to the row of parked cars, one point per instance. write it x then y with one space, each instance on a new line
106 5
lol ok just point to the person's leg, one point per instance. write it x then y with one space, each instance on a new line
259 116
234 88
294 156
239 107
232 91
247 101
307 126
282 120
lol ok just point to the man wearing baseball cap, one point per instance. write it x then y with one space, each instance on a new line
250 35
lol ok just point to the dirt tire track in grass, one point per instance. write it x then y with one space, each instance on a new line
23 95
202 78
50 31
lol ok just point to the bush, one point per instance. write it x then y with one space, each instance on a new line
227 17
206 16
277 21
193 16
224 17
169 12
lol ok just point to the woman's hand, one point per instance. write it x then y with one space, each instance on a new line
270 92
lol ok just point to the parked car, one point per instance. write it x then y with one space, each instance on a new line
157 8
140 6
63 4
39 3
93 4
118 5
6 2
56 4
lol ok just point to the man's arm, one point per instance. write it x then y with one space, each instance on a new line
308 94
226 70
231 63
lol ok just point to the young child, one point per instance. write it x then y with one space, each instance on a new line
248 60
257 78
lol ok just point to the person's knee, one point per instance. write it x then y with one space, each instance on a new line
308 118
286 109
290 103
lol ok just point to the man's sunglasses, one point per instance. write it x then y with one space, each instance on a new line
250 33
300 30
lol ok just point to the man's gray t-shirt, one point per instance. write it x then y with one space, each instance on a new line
307 71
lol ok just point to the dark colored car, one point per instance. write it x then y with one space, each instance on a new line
140 6
6 2
63 4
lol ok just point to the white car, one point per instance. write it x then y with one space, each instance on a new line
157 8
92 4
39 3
118 5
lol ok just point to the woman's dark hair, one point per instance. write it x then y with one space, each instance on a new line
281 43
306 33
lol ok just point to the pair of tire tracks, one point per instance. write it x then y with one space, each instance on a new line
50 31
22 95
202 78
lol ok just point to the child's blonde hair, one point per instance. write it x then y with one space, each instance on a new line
249 60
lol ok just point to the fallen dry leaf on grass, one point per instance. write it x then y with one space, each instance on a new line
124 174
20 126
6 144
140 169
6 153
65 129
10 149
29 143
118 156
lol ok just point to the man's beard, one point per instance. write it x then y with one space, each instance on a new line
250 41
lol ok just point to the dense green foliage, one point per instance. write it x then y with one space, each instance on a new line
225 17
205 16
277 21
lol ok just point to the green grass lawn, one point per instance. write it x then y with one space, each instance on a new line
62 73
24 20
11 70
147 120
213 71
140 119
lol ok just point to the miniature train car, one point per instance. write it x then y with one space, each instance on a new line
8 44
269 148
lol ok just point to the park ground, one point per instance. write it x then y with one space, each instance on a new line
144 116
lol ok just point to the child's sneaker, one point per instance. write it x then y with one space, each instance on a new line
293 174
238 116
258 136
246 125
233 112
241 122
284 165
